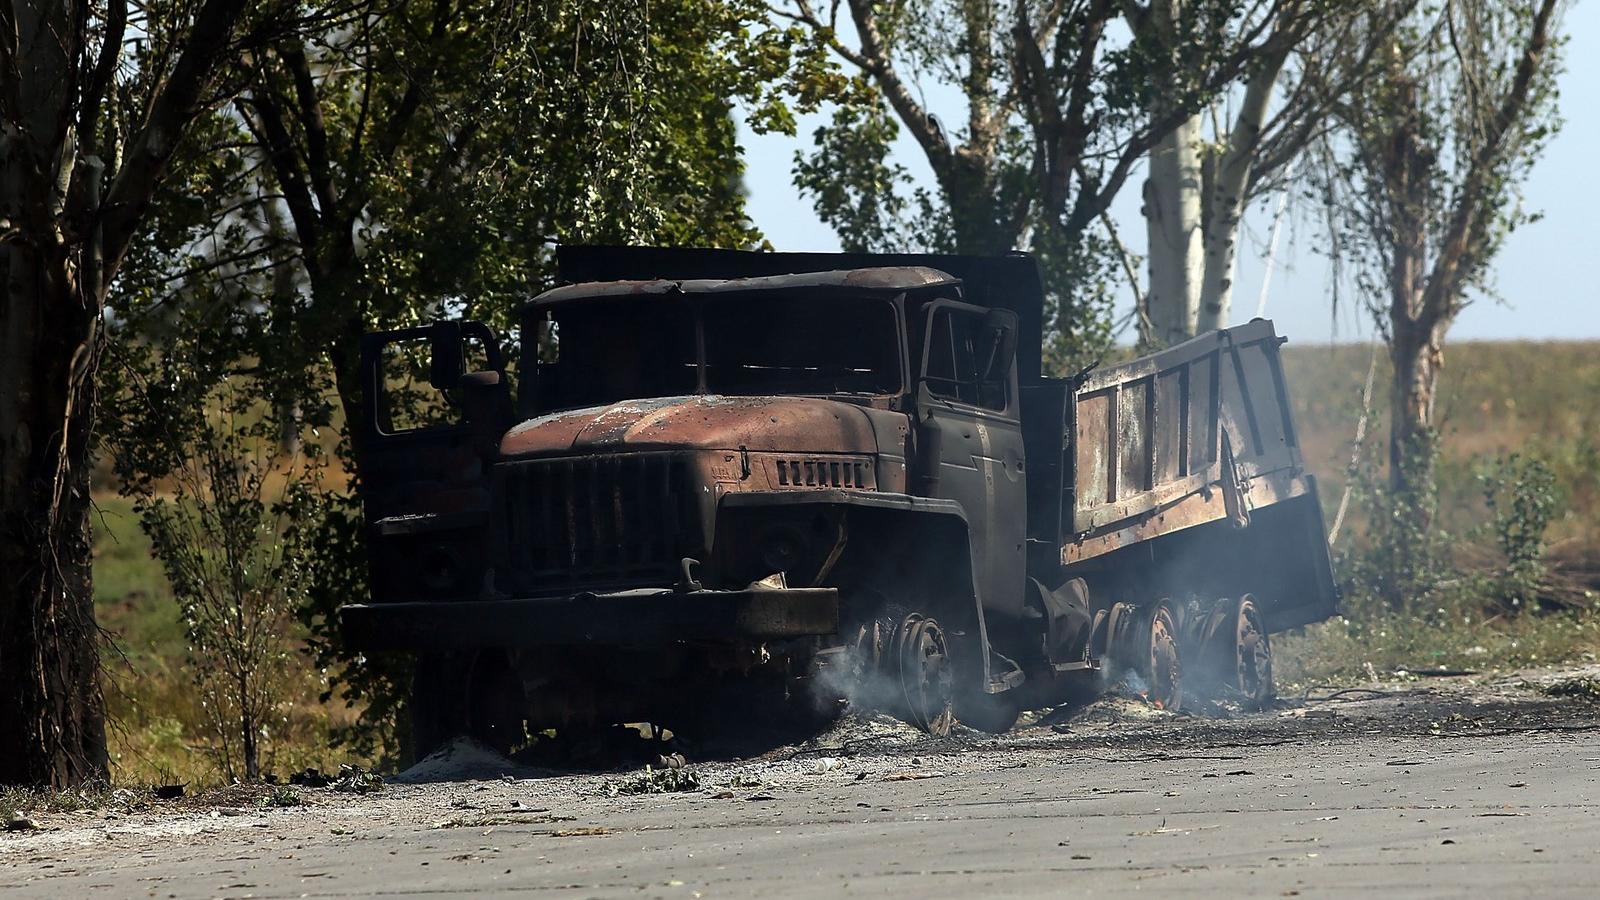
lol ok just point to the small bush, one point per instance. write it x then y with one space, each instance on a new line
1523 499
217 535
282 798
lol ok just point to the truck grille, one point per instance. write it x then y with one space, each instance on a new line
591 521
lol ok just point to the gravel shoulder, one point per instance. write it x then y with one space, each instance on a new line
1427 787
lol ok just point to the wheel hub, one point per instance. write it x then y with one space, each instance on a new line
1252 654
1144 642
922 663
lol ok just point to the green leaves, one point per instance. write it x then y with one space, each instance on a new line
385 167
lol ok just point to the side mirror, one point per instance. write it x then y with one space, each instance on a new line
1000 335
448 363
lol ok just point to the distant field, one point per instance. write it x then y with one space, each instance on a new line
158 726
1496 398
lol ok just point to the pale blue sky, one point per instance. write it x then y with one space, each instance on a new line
1546 272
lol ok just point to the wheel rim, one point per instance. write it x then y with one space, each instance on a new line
1163 672
1252 654
926 680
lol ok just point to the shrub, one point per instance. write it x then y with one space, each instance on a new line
1523 498
217 536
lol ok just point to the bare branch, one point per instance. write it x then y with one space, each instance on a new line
176 105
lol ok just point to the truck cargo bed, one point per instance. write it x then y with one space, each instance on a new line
1197 434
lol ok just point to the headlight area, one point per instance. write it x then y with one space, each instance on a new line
803 543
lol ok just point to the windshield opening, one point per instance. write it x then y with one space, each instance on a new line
603 351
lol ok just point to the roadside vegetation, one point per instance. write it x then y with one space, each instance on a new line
1508 574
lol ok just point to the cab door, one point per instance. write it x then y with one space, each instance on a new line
970 439
423 460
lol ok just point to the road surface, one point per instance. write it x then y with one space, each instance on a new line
1456 787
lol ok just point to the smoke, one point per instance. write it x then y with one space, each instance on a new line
864 687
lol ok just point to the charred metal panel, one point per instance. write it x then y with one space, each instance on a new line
631 617
1198 427
1133 438
1150 431
1047 433
792 424
1168 452
1095 472
603 519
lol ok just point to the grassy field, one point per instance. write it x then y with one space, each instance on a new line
1537 399
1496 398
159 732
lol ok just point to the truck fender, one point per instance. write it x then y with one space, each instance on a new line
934 531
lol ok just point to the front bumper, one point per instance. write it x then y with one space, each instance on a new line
639 617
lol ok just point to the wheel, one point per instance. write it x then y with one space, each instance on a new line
1239 651
1146 645
920 660
437 704
993 713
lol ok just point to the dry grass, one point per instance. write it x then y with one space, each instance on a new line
1495 399
158 731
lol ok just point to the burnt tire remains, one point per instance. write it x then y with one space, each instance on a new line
921 657
1145 646
1236 652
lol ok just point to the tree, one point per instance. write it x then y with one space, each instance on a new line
530 120
84 145
1422 184
418 162
1064 100
219 536
1316 53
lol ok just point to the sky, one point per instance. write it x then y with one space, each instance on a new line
1546 276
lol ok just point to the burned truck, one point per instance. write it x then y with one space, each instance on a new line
734 485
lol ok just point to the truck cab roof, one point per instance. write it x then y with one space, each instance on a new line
883 279
1009 282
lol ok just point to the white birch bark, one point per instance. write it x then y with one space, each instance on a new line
1172 219
1226 200
1172 198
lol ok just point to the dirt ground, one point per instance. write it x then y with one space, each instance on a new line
1427 786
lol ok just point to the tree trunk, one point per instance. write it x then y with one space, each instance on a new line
52 723
1172 205
1172 217
1226 195
1418 356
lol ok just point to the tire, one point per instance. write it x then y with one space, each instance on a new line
992 713
1146 644
1237 653
438 704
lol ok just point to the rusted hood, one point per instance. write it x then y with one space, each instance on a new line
788 424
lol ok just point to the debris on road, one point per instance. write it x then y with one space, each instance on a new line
825 764
20 822
462 759
653 781
356 780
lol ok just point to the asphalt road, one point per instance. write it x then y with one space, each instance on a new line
1432 790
